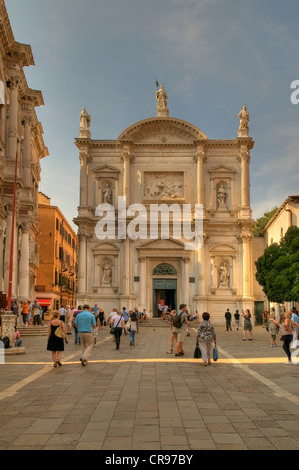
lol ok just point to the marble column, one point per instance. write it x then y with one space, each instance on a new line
83 178
200 158
246 238
82 281
13 120
245 180
142 283
126 266
9 219
27 153
126 158
1 259
24 287
185 282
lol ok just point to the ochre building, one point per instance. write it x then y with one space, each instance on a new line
56 282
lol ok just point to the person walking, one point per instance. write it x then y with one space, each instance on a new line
287 334
117 322
228 318
295 318
75 313
133 328
68 320
181 330
25 309
101 320
206 335
237 320
85 323
174 333
125 315
273 328
265 318
55 344
247 324
36 313
62 311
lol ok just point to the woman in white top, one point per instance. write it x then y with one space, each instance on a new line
133 328
287 333
117 322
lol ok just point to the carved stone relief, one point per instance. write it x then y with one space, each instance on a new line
164 185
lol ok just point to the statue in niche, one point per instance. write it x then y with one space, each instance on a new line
221 197
223 276
84 120
106 274
107 194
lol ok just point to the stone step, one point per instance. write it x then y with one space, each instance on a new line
154 323
30 330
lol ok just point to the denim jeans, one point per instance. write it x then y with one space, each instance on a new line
132 336
77 337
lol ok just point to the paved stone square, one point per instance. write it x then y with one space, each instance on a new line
140 398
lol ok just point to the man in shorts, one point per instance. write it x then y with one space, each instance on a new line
182 330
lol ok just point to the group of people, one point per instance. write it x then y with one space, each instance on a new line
206 334
32 312
289 326
86 323
247 322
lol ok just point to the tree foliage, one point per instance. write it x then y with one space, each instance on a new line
278 268
262 222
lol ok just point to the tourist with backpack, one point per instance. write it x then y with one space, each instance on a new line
180 322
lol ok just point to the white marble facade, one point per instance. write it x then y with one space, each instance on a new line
21 147
165 160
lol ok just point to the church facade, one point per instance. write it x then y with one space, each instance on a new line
164 163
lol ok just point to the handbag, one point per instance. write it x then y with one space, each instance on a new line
128 325
113 329
197 352
215 353
59 332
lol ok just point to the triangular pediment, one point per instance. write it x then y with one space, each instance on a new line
106 169
162 131
162 244
220 169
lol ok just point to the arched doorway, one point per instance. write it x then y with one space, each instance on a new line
164 288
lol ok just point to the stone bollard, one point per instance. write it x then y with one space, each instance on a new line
8 327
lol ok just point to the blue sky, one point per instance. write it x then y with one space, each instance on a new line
212 56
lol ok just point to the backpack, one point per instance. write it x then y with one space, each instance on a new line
177 320
6 342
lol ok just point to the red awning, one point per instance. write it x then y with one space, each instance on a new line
44 302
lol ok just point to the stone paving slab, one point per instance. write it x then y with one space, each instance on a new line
140 398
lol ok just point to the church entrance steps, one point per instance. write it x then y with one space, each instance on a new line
154 323
31 330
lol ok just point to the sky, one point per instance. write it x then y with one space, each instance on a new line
212 56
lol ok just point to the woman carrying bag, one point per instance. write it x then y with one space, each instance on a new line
205 337
117 324
56 338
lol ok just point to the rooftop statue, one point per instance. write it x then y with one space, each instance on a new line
244 119
162 97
